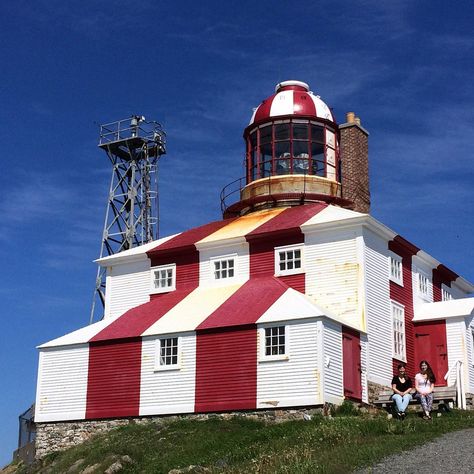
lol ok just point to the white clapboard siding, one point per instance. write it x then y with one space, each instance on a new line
364 367
456 340
295 381
378 314
470 352
333 273
168 391
332 362
62 384
128 285
240 252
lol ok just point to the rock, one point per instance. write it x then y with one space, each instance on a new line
115 467
75 466
91 469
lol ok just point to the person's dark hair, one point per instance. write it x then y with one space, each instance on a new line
429 371
400 366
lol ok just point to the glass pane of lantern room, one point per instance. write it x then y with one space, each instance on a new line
282 131
300 157
266 134
317 133
300 131
317 155
265 160
282 154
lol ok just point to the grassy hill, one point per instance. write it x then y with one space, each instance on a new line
240 445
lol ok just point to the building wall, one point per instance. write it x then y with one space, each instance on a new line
333 273
456 341
378 313
332 362
127 286
295 381
113 384
364 367
470 352
62 383
226 369
168 391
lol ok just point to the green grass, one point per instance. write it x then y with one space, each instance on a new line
326 445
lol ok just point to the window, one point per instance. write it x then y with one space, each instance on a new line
275 343
398 324
445 294
163 278
288 260
423 285
168 353
224 268
396 269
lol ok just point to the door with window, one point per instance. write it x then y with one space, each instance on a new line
351 364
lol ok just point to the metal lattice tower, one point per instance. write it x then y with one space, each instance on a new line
134 147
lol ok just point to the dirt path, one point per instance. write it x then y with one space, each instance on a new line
450 453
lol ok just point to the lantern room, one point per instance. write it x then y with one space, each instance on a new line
292 152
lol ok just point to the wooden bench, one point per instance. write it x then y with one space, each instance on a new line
442 396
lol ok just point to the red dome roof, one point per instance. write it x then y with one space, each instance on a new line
292 98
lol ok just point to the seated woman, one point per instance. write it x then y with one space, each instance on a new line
401 386
424 384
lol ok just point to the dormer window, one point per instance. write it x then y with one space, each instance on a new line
423 285
223 267
396 269
445 294
288 260
163 278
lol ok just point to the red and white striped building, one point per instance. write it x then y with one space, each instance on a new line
295 299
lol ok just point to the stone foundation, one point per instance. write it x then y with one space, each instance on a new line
374 389
59 436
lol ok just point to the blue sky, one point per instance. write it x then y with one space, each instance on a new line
199 68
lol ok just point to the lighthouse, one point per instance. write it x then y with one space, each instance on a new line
294 155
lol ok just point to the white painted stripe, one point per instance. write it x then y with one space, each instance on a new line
282 104
192 310
322 110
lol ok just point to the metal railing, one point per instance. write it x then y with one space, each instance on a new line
458 382
133 127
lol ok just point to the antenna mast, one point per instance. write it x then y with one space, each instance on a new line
134 147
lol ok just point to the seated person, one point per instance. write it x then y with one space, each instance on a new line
401 386
424 384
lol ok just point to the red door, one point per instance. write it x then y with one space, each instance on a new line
431 345
351 364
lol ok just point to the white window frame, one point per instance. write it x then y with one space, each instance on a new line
423 284
291 271
160 364
163 289
398 327
395 268
263 346
219 260
445 293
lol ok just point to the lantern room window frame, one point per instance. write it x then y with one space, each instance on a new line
284 146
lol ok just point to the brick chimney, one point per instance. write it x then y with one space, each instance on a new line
354 149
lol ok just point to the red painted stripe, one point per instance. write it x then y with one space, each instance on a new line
189 237
263 111
290 219
303 104
297 282
246 305
226 370
113 385
137 320
404 295
187 266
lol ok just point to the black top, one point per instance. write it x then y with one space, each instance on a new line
402 387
